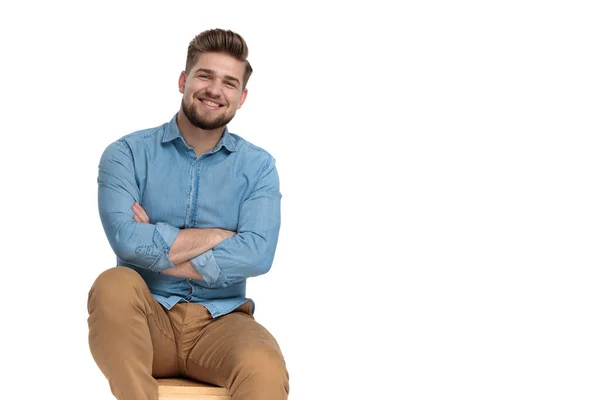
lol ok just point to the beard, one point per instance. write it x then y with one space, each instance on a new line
204 123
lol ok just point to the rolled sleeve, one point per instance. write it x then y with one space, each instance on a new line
251 251
206 265
167 232
143 245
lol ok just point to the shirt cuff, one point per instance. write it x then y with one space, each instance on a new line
168 232
164 236
206 265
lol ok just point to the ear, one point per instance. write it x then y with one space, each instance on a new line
181 82
243 97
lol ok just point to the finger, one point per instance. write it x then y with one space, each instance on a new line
143 215
139 210
143 220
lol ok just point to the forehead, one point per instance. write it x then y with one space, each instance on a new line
220 64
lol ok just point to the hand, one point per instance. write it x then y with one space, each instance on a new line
183 270
139 214
224 234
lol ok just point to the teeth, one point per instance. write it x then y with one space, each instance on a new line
210 103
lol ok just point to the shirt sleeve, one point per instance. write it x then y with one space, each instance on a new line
251 251
143 245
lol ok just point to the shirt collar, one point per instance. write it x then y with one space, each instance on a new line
172 132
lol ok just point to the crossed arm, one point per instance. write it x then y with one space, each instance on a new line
217 256
188 244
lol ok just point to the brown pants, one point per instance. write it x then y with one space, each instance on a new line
133 339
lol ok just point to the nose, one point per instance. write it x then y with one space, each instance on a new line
213 89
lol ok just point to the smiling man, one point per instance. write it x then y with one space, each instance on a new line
191 211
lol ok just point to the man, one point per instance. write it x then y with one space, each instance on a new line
191 211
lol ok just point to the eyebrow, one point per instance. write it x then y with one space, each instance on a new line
210 71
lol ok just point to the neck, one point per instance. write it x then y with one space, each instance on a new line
200 140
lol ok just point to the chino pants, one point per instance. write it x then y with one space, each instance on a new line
133 339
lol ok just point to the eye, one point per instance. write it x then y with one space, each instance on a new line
203 76
230 84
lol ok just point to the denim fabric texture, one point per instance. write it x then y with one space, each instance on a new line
235 186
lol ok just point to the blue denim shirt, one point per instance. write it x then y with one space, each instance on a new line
235 186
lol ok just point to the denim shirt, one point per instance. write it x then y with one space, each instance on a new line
235 186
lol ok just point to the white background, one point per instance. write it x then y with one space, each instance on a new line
439 168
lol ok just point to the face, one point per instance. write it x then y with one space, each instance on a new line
212 90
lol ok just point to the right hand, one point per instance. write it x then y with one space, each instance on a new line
224 233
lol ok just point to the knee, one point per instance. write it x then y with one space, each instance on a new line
114 286
263 363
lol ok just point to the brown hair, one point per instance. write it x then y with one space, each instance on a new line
219 41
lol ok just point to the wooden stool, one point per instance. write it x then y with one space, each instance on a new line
184 389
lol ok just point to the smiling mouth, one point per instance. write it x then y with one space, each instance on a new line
211 104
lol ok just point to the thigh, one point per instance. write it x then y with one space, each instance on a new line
126 319
230 343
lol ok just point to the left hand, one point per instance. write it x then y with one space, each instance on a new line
139 214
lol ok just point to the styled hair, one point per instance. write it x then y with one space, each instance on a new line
219 41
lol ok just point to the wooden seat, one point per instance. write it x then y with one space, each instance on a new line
184 389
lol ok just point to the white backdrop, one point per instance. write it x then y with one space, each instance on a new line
439 170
